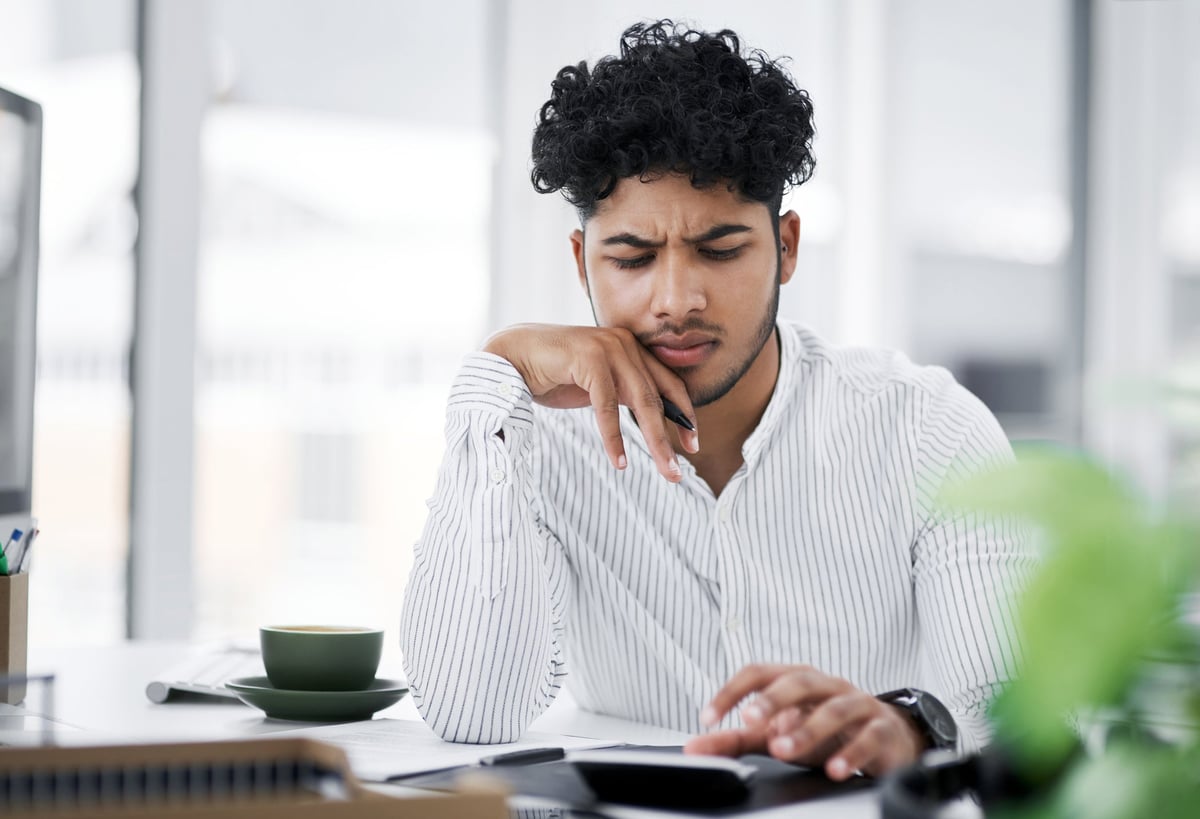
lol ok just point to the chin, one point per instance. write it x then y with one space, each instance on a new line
707 391
695 381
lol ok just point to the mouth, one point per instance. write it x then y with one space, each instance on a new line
683 351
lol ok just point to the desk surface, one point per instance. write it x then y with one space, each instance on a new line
100 691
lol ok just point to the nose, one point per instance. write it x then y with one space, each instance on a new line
678 286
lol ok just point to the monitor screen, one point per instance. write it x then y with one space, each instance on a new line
20 180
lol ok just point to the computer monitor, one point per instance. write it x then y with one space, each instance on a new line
20 195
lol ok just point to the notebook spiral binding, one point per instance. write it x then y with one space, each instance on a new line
136 786
91 779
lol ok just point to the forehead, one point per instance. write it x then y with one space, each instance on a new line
669 204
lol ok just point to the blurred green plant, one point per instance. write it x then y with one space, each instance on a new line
1101 625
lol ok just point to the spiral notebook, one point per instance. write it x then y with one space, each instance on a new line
284 778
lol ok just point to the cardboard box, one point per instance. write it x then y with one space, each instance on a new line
14 633
161 780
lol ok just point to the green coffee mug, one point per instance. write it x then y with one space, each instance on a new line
321 658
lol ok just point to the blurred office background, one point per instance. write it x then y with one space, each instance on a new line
284 221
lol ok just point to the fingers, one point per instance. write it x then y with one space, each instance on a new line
658 381
849 732
727 743
803 715
602 392
566 367
643 397
641 382
673 389
878 747
799 685
611 379
835 716
750 679
787 720
779 687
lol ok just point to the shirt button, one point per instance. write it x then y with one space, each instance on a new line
733 623
504 389
497 476
723 514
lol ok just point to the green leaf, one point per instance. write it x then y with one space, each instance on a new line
1102 600
1132 781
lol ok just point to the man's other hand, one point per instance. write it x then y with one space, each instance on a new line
606 367
804 716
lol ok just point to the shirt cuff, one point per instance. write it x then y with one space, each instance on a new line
490 385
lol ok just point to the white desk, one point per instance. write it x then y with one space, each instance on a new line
100 692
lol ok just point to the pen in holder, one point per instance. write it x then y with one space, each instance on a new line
14 635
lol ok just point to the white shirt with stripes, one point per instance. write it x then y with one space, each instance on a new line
540 562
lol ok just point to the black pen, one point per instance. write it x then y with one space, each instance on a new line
674 413
527 757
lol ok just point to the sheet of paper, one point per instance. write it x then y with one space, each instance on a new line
384 748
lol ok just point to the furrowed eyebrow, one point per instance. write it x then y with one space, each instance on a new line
718 232
710 235
631 240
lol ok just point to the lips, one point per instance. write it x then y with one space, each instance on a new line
683 351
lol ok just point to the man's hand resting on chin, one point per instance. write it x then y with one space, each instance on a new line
802 715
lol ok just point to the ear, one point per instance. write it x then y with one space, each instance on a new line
789 238
581 266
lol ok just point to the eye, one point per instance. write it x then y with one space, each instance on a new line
720 255
629 264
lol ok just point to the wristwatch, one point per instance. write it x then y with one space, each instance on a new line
933 720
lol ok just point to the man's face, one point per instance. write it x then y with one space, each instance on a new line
693 274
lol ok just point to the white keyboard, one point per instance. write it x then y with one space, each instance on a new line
205 672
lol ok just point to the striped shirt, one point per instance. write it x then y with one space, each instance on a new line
539 559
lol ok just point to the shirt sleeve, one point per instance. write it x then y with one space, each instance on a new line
969 568
480 627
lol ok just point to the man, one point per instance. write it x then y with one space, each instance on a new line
788 553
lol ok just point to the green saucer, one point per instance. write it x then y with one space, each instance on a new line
317 706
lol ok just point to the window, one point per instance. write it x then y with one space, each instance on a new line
343 274
76 59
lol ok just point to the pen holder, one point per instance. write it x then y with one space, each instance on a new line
14 633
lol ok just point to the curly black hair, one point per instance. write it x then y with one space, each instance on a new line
680 101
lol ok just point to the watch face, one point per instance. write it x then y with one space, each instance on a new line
938 718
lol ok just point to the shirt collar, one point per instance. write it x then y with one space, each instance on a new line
791 353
